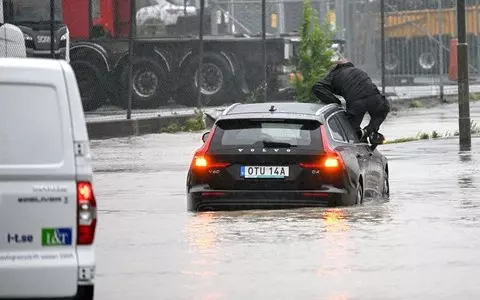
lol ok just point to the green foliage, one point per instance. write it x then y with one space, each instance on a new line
192 124
315 54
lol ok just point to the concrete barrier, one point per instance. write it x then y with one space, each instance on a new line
122 128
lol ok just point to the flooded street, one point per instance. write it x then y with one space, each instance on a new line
421 244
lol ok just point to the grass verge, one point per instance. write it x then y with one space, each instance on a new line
474 129
192 124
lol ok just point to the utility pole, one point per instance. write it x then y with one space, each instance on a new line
465 138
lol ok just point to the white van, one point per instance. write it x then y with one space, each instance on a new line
47 205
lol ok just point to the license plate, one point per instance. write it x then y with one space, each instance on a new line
264 171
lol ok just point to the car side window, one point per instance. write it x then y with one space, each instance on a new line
336 130
347 127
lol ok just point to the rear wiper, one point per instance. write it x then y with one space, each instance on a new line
269 144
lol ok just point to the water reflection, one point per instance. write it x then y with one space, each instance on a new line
202 233
214 237
465 176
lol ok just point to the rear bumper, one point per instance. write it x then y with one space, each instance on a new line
47 274
201 199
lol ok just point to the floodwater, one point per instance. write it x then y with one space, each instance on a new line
420 244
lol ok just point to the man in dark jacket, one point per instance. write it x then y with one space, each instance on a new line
360 93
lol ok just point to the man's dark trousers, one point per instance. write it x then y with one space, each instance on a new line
377 107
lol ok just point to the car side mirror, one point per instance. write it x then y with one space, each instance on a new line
205 136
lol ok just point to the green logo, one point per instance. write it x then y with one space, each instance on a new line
56 236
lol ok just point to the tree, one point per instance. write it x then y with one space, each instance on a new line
315 54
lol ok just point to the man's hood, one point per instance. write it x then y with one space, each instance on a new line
343 65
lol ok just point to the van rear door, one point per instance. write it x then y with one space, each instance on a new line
38 211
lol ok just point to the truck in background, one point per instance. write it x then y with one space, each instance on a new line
11 39
166 55
33 19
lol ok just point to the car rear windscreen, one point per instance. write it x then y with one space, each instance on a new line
267 133
30 125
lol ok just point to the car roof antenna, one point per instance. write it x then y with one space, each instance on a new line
272 108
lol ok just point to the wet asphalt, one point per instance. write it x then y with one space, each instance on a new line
422 243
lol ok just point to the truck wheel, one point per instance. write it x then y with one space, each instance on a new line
149 82
217 76
90 83
427 61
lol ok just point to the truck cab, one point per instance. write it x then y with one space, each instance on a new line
33 19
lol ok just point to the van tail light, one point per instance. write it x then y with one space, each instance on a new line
332 159
87 213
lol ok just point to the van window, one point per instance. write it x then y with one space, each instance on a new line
30 125
259 133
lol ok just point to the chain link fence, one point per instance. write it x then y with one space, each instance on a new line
162 42
418 36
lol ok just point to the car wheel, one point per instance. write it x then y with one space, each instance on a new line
359 194
386 186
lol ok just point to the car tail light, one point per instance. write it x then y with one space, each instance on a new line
332 159
201 161
87 213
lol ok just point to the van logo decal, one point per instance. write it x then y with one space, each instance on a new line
50 188
252 150
240 150
15 238
56 236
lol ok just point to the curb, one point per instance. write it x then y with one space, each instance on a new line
122 128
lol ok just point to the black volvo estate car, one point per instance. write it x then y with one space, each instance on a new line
284 155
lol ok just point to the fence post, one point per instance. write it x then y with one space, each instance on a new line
440 49
200 53
382 41
52 28
264 44
131 46
477 41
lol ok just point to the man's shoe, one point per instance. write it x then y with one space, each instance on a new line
376 138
